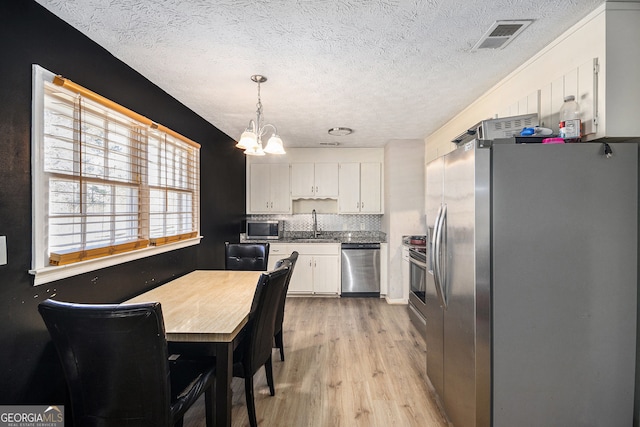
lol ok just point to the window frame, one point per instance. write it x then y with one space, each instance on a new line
42 271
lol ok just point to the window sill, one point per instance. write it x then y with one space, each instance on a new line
51 273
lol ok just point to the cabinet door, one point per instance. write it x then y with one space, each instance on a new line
587 96
279 188
302 279
349 185
326 180
370 188
277 251
326 275
259 188
302 180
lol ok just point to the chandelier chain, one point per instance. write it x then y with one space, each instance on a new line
251 138
259 114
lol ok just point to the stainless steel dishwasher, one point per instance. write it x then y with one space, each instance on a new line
360 270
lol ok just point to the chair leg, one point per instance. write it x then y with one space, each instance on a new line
251 406
268 367
279 344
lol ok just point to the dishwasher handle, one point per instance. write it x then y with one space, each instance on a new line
360 246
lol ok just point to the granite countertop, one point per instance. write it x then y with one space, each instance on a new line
327 237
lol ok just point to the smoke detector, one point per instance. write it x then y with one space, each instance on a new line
501 33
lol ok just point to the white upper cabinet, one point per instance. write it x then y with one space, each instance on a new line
314 180
269 188
581 82
360 188
306 177
349 200
596 60
370 188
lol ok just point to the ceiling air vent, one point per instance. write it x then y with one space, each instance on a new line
501 33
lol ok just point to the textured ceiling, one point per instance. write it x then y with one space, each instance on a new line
389 69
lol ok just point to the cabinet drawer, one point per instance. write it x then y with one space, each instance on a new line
280 249
316 248
277 251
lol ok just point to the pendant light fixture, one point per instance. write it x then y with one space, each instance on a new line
251 138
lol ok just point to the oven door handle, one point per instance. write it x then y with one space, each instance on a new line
422 265
438 267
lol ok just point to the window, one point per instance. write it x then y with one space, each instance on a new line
109 184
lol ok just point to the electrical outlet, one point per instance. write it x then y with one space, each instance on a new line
3 250
362 226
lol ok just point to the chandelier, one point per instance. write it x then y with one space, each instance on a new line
251 138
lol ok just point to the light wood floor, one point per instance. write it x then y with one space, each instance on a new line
349 362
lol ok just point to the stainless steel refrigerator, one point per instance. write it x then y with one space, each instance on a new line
532 283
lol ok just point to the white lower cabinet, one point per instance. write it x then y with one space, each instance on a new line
317 270
316 274
277 251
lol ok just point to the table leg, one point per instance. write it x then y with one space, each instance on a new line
224 374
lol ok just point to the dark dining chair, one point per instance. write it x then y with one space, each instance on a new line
254 349
115 361
280 313
246 256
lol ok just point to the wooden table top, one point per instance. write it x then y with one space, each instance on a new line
204 305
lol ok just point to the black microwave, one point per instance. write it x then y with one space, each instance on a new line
263 230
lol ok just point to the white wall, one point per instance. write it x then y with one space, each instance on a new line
404 206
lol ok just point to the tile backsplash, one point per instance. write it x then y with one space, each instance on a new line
326 222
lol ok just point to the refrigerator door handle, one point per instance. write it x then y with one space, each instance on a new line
440 270
433 240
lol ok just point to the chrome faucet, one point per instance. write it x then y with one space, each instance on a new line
314 217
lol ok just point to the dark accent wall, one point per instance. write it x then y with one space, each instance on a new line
29 370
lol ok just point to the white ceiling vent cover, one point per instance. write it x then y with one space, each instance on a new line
501 33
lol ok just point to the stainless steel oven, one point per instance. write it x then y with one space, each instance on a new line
417 288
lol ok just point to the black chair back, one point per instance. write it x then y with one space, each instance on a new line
246 256
254 350
261 324
115 361
293 258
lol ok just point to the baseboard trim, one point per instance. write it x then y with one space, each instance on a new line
396 301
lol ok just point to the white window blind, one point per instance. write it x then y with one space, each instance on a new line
112 183
173 195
